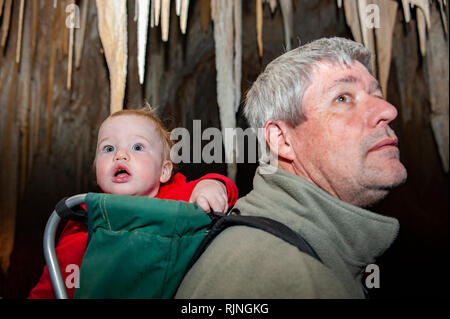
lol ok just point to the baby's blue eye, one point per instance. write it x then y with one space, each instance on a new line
108 148
138 147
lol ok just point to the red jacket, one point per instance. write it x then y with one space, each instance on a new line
73 239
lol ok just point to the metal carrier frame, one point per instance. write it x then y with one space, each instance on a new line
49 247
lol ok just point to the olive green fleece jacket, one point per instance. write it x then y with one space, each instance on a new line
243 262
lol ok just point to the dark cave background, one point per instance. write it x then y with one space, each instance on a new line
181 81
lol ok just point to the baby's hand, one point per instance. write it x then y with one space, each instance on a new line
210 194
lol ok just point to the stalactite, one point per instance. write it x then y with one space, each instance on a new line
422 17
19 33
273 5
79 35
70 59
259 26
367 33
406 11
184 15
157 11
177 7
422 30
352 19
424 6
6 22
165 20
70 50
1 7
136 11
152 13
443 17
355 16
143 16
388 13
224 44
423 22
112 27
288 22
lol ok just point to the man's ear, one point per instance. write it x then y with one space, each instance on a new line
276 135
166 171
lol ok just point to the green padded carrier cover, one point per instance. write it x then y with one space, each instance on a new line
138 247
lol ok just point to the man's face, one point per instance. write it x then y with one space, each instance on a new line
345 145
129 159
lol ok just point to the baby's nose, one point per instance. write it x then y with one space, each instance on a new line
121 155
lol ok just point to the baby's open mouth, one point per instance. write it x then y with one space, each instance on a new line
121 175
121 171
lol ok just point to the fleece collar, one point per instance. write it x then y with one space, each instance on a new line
346 237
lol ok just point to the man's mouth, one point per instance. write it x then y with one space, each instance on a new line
384 144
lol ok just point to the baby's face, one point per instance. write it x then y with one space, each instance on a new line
129 158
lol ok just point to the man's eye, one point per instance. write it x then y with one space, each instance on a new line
343 98
138 147
108 148
379 95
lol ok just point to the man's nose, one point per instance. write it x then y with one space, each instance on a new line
381 112
121 155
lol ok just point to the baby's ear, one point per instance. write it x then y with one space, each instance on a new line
166 171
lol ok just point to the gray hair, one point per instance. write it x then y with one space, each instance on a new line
277 93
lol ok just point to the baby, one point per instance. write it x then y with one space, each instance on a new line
133 158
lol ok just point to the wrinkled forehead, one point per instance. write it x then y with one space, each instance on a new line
327 75
330 67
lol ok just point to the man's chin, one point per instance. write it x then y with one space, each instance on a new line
399 177
382 183
388 176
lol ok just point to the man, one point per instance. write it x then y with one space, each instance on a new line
327 126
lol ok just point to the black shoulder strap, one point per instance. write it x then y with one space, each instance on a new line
221 222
